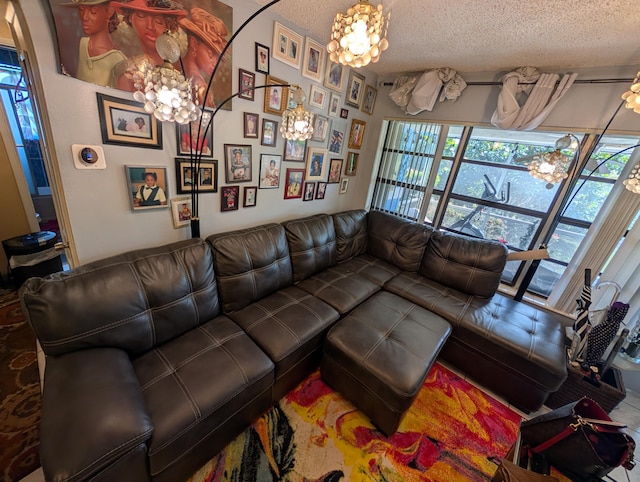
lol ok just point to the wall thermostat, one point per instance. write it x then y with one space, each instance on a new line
88 157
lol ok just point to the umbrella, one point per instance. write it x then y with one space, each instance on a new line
582 325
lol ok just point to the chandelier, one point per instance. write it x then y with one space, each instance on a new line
553 166
164 91
297 124
632 183
357 37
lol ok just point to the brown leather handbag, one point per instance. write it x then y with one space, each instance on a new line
510 472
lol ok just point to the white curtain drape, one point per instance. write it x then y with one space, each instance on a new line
418 92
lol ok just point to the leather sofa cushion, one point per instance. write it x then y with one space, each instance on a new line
340 287
396 241
351 233
250 264
372 268
312 244
517 336
471 265
133 301
195 382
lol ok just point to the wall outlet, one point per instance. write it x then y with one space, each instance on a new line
88 157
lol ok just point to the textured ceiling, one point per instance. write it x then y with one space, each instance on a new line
489 35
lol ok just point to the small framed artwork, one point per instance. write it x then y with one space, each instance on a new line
287 45
206 177
317 164
269 132
351 166
344 185
125 122
320 128
369 101
335 169
309 189
275 98
335 141
334 105
344 113
356 134
313 62
247 82
270 171
147 187
251 125
293 183
294 150
188 140
334 76
321 190
229 198
238 164
292 104
181 211
262 58
250 196
355 89
317 96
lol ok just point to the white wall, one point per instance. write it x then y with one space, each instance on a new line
99 210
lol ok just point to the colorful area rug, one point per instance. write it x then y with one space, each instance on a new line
313 434
19 393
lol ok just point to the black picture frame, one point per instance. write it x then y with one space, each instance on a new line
118 118
185 178
263 57
183 146
246 84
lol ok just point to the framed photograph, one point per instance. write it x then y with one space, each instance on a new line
206 177
334 76
335 169
181 211
237 162
344 113
309 190
356 134
293 183
270 171
275 98
294 150
317 164
262 58
344 185
313 63
321 190
355 89
351 166
292 104
251 125
336 140
125 123
369 101
147 187
269 132
287 45
229 198
334 105
317 96
250 196
320 128
187 139
246 81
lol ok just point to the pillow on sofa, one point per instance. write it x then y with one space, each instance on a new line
351 233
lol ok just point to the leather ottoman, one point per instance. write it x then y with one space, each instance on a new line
379 355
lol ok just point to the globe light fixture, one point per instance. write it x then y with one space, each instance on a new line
632 96
632 183
164 91
297 124
553 166
359 36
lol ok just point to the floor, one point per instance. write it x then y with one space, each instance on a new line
627 412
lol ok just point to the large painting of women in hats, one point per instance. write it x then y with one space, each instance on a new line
104 41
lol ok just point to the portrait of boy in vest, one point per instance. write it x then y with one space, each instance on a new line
150 194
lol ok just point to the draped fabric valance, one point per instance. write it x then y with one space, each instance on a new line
417 92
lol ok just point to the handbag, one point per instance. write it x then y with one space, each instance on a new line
580 440
510 472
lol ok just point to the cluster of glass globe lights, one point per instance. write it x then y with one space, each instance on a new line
632 98
297 124
553 166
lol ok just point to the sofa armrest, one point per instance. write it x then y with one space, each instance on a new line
93 413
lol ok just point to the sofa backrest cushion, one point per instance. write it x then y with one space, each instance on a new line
312 244
250 264
133 301
351 233
471 265
396 241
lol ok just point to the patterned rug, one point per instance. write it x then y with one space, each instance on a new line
19 393
313 434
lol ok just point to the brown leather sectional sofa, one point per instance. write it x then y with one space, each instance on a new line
157 358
